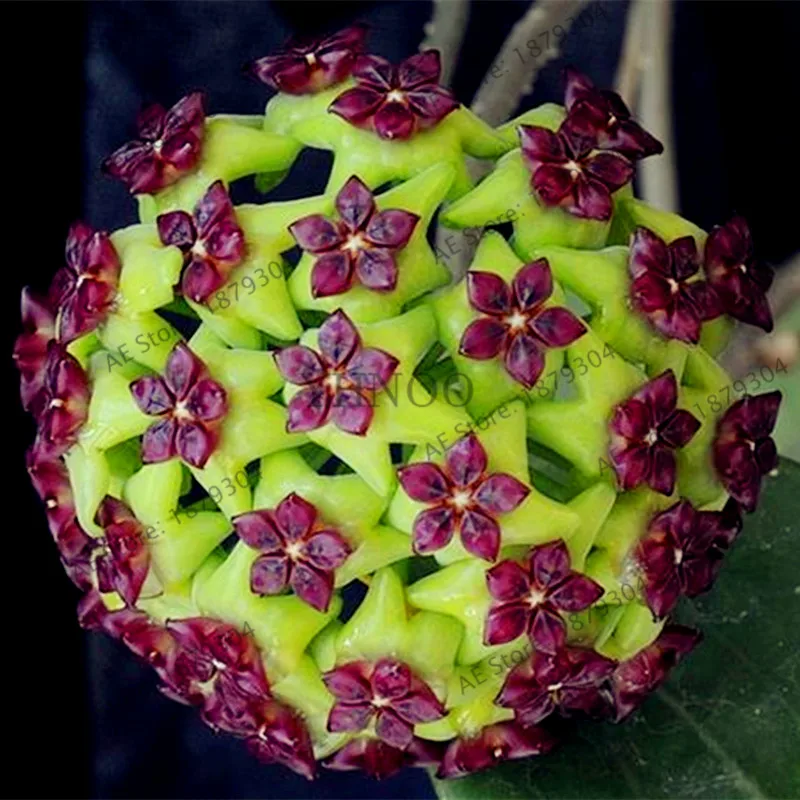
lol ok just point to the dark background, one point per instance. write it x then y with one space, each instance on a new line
82 717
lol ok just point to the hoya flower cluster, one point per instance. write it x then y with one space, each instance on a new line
243 412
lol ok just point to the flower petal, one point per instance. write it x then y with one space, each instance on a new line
351 412
349 683
424 482
480 535
547 633
433 529
338 338
482 339
357 105
371 368
258 530
549 564
331 274
465 461
374 71
182 370
326 550
295 517
355 203
533 284
349 717
500 493
663 469
312 586
316 233
152 395
488 293
269 574
541 146
158 442
419 704
391 228
575 593
376 269
194 443
308 410
394 121
553 184
393 730
504 623
431 104
679 428
648 254
176 228
421 68
207 401
557 327
660 395
390 678
507 582
299 365
611 169
592 200
524 360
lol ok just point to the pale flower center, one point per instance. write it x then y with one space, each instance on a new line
678 556
535 598
311 59
461 499
396 96
574 169
199 249
652 437
516 321
355 243
293 550
674 286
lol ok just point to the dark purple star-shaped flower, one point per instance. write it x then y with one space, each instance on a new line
461 497
30 347
211 241
661 290
362 243
530 598
517 324
600 117
122 559
306 65
297 550
633 680
337 381
191 406
567 171
388 692
503 741
739 280
84 291
168 146
396 102
565 682
380 760
682 551
61 405
743 450
645 430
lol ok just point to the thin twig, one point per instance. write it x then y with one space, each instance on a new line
445 32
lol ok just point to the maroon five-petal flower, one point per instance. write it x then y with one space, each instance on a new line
396 102
362 243
123 559
600 117
567 171
568 681
61 406
387 691
645 430
530 598
338 381
297 549
84 291
282 737
743 449
168 146
740 281
661 289
380 760
504 741
462 497
211 241
306 65
191 406
682 552
30 348
633 680
517 325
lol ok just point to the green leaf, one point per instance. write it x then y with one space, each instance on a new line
727 723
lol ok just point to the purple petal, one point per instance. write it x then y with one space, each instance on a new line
549 564
269 574
200 279
488 293
421 68
648 254
684 256
424 482
419 704
500 493
540 145
393 730
176 228
611 169
316 234
433 529
152 395
376 269
505 623
351 412
295 517
575 593
394 121
482 339
557 327
355 203
662 470
331 274
338 338
312 586
258 530
592 200
357 105
660 395
631 465
207 401
431 104
507 582
158 442
371 368
578 87
533 284
299 365
524 360
347 717
194 443
480 535
348 683
547 631
390 678
465 461
391 228
374 71
182 370
326 550
308 410
552 184
679 428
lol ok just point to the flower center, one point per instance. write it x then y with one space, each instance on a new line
311 59
157 145
181 411
612 120
355 243
674 286
743 268
380 702
574 169
51 502
293 550
57 402
651 438
396 96
535 598
516 321
498 752
678 555
199 249
461 499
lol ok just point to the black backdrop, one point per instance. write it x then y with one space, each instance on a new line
83 719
